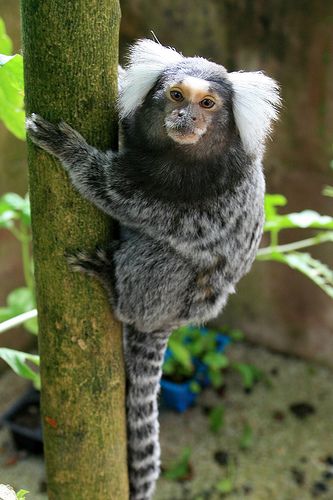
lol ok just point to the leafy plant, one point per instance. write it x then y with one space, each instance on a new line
11 86
216 418
18 361
15 217
21 494
20 305
225 486
289 254
250 374
328 191
191 351
235 335
247 438
181 468
178 365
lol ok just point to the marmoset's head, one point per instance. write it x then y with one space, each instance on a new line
192 101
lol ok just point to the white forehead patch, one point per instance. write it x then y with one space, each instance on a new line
193 88
196 84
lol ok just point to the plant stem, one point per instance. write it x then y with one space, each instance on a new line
297 245
17 320
16 233
274 238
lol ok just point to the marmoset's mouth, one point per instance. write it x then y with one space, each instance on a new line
185 135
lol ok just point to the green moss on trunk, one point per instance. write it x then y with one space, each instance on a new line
70 54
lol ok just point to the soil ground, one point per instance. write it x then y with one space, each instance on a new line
289 420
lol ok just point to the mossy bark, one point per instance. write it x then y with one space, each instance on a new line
70 55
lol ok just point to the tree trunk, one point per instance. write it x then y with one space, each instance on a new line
70 55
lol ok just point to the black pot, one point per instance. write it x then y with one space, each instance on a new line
24 421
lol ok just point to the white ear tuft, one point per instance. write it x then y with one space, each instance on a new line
147 60
256 103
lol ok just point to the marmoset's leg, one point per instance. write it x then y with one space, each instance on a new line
100 265
150 286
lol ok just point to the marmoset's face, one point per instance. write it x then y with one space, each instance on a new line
191 107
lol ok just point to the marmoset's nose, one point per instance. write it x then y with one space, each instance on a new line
194 118
181 113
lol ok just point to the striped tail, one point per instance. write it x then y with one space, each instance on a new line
144 353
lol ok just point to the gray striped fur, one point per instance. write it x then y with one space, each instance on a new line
191 217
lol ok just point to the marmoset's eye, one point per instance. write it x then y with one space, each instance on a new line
176 95
207 103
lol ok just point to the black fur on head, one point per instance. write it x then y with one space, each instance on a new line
152 122
172 170
250 100
178 144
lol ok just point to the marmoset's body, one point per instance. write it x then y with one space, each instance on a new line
188 186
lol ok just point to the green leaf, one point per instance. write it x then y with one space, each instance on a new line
236 335
328 191
3 206
26 211
21 300
195 387
216 360
271 202
12 94
225 486
169 366
310 218
216 378
6 45
181 354
17 360
7 219
318 272
13 206
21 494
31 325
246 440
216 418
249 373
302 220
13 201
181 468
6 313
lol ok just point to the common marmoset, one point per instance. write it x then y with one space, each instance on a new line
188 186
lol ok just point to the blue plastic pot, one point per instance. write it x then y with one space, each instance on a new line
177 397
